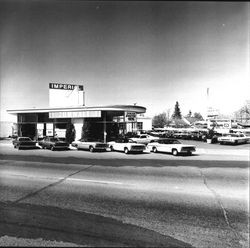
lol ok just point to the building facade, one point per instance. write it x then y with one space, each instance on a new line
102 123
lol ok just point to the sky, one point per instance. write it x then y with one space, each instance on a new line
152 53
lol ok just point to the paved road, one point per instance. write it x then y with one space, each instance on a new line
200 200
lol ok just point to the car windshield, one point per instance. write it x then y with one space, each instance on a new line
24 139
231 135
123 141
172 142
136 136
89 140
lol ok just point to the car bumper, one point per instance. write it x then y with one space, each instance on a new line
101 149
27 146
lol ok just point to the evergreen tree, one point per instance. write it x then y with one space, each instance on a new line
70 133
177 112
85 130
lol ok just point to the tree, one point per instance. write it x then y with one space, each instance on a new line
243 114
85 130
198 116
177 111
70 133
160 120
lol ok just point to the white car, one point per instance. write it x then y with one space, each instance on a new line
173 146
91 145
143 138
126 146
233 138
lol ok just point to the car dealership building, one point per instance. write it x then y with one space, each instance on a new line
67 106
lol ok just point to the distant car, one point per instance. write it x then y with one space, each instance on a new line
182 135
173 146
196 135
24 142
143 138
126 146
232 138
89 144
53 143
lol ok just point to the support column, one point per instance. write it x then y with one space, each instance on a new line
105 127
125 124
78 124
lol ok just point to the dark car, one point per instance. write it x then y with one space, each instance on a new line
53 143
24 142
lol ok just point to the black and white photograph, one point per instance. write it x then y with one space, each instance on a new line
124 123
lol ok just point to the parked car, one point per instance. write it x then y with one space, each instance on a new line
126 145
90 144
24 142
232 138
182 135
173 146
143 138
196 135
53 143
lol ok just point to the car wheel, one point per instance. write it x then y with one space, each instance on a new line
91 148
112 148
174 152
14 146
154 149
126 150
236 142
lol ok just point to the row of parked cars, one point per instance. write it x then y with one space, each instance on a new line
126 145
235 138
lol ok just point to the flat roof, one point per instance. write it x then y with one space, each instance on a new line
127 108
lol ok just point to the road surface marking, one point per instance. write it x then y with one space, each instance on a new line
96 181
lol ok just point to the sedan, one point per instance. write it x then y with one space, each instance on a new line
233 138
143 138
89 144
173 146
53 143
24 142
126 145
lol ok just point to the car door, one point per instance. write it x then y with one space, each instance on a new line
143 139
162 146
119 145
168 145
83 144
45 142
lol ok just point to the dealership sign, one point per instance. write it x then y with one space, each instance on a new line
66 95
131 116
65 86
